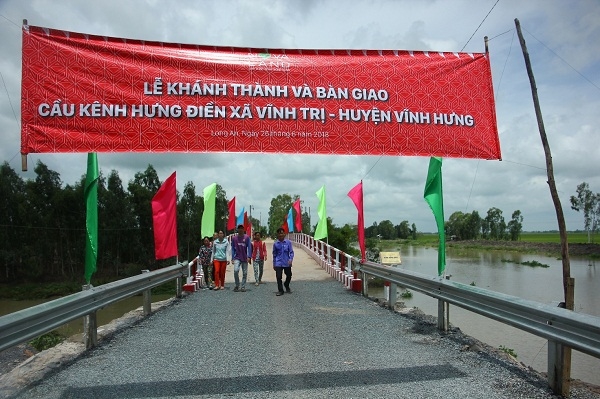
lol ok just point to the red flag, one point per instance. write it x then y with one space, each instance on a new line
232 217
247 225
285 226
356 195
164 219
298 222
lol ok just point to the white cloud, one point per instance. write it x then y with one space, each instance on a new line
560 36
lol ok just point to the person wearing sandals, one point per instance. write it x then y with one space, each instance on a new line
220 253
241 255
283 255
259 256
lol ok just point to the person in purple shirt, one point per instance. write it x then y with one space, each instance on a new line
241 255
283 255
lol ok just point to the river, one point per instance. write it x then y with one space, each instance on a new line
103 316
501 271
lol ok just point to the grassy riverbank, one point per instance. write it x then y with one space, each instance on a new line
538 243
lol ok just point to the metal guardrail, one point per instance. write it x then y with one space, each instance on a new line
576 330
564 329
29 323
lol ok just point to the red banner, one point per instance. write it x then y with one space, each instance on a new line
84 93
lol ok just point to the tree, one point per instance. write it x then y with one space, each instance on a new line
117 228
372 231
589 203
278 211
496 223
402 230
13 210
142 189
464 226
454 224
515 226
413 231
386 229
189 216
472 226
41 194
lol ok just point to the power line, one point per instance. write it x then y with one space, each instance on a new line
9 99
369 171
563 60
9 20
479 25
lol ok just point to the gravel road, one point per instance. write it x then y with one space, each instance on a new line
319 341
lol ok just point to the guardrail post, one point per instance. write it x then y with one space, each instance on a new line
558 369
393 296
147 298
443 313
178 290
365 284
90 331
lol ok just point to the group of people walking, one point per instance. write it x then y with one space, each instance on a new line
240 250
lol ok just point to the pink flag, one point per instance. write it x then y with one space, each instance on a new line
164 219
232 218
356 195
298 222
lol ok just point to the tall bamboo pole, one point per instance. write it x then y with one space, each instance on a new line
561 383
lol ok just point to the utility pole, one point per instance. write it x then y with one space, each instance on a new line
559 356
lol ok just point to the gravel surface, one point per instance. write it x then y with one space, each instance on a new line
319 341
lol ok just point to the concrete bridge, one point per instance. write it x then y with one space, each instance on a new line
322 340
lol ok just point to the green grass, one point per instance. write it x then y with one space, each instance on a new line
431 239
508 351
554 237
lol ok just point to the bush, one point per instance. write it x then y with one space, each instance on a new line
46 341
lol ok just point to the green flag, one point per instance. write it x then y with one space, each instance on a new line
321 230
91 219
433 196
208 216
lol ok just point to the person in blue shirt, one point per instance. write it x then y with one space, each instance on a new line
283 256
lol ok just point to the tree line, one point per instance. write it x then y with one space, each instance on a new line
42 224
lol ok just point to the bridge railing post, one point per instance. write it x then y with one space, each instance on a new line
393 296
90 325
178 289
443 318
147 298
558 368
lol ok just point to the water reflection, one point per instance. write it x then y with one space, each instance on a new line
104 315
503 271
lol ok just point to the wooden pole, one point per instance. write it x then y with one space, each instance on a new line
24 156
561 383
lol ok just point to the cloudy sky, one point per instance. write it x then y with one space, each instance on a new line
562 39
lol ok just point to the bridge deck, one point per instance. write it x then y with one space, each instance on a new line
319 341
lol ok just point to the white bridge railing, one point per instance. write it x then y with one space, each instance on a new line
561 327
